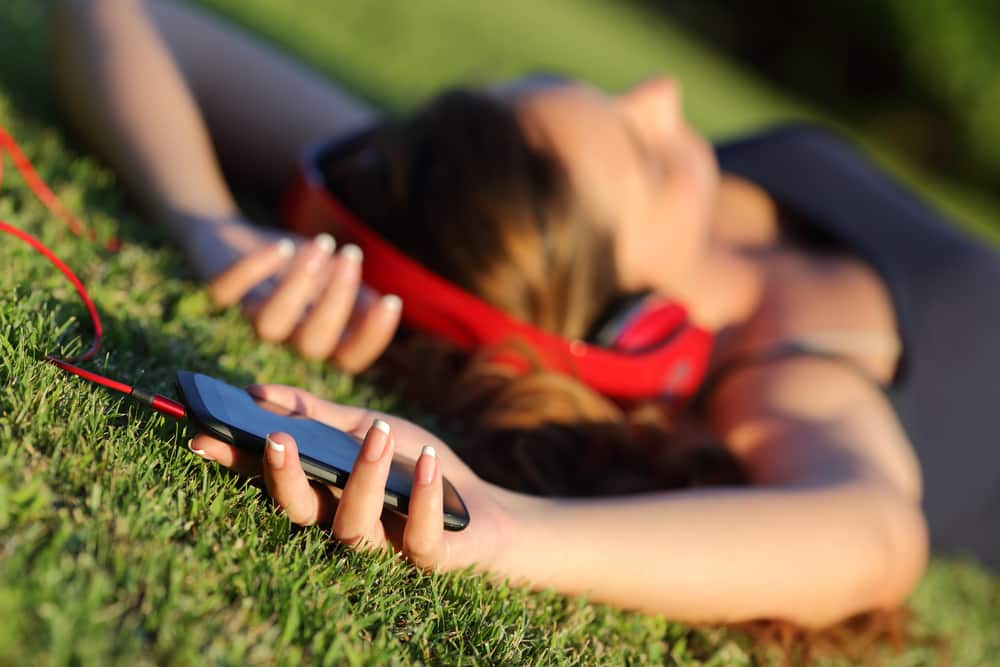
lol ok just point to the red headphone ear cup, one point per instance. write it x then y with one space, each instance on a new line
652 325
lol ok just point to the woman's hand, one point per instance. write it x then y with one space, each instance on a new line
298 291
355 515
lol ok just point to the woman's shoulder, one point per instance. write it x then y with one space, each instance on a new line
809 418
836 304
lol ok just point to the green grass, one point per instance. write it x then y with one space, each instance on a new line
119 547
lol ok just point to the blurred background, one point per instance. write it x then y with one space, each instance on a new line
922 75
917 82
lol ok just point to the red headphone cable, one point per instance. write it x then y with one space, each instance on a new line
159 403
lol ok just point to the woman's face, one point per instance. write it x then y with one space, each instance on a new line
636 163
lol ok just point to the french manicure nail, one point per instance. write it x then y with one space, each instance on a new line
352 252
426 465
200 452
275 453
286 248
392 302
375 443
325 243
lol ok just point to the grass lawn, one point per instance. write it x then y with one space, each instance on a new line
119 547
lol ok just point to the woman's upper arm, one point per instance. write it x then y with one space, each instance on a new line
261 107
812 420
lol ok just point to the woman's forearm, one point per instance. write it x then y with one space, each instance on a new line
168 93
812 556
127 96
124 93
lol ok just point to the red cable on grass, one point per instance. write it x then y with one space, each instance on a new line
42 191
68 272
49 199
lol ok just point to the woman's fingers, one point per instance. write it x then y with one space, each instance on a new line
283 309
357 519
235 282
320 330
288 485
423 536
370 335
318 295
357 522
286 482
239 460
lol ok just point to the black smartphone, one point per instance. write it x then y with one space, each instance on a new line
327 454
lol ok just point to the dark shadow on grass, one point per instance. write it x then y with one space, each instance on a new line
23 62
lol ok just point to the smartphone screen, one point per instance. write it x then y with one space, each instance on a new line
327 454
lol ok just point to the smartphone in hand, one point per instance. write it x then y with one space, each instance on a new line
327 454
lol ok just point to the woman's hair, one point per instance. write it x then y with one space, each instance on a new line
460 187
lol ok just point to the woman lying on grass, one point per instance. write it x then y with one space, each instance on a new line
550 201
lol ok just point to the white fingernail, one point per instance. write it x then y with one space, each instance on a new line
381 425
276 446
286 248
352 252
426 466
200 452
392 302
325 243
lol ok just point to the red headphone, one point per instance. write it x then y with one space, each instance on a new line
649 350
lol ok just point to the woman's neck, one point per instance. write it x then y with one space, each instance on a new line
727 287
730 281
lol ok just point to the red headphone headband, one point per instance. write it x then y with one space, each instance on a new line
672 369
